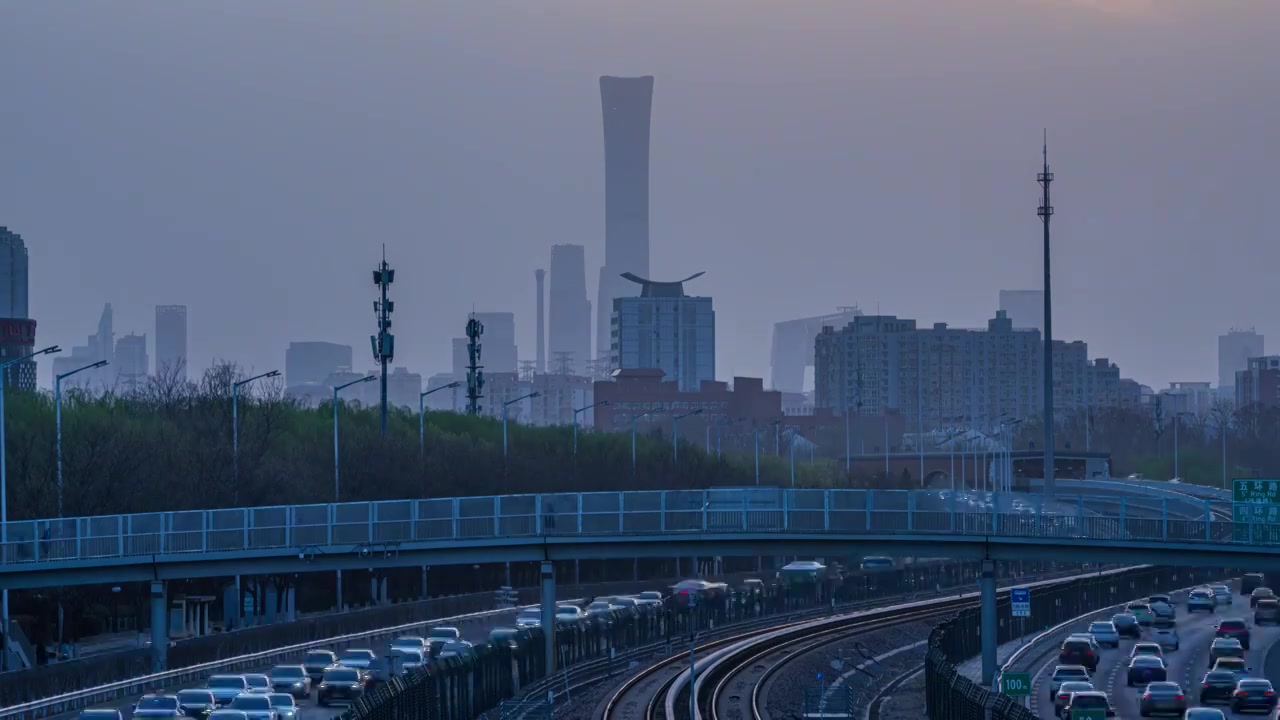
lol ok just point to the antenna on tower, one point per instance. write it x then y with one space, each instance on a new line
384 342
475 375
1045 178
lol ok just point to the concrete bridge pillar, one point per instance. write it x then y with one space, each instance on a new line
159 627
988 622
549 614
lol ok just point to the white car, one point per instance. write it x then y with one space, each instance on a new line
1104 633
569 613
650 597
440 635
456 647
529 618
409 642
600 607
1221 594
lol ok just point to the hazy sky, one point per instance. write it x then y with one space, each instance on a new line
249 157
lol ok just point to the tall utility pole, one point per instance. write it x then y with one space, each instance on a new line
384 343
475 375
1045 178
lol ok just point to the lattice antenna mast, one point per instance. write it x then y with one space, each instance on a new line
384 343
1045 178
475 373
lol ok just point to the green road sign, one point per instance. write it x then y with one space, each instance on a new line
1090 714
1258 490
1016 684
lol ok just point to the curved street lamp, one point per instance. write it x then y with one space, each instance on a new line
675 434
634 418
422 415
602 403
235 424
506 405
57 400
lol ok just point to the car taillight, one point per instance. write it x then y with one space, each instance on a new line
1269 692
1064 696
1178 697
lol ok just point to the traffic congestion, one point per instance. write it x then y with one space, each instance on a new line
1201 658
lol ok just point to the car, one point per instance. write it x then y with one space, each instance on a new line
569 613
409 642
1078 650
1064 674
1253 694
652 597
1225 647
1064 694
1104 633
1260 593
1250 581
290 679
1201 599
439 636
1145 669
157 706
600 607
630 605
1234 664
1127 625
101 714
1234 628
1217 686
1266 611
1142 612
1146 648
1162 606
752 587
457 647
258 683
196 703
1088 700
339 684
1166 638
410 659
285 705
529 618
228 715
1162 697
1203 713
1222 594
255 706
316 661
225 688
507 636
359 658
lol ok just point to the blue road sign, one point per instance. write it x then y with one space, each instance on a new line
1020 601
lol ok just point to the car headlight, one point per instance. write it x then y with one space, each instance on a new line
355 686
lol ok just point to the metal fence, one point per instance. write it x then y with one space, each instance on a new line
462 688
950 695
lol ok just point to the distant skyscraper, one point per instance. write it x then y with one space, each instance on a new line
664 329
132 362
627 104
18 339
101 346
498 343
1024 307
1234 350
540 363
171 340
570 308
13 275
312 362
793 342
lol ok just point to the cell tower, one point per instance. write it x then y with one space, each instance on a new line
1045 212
527 369
475 374
384 343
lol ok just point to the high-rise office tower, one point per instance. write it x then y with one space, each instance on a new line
498 343
540 364
171 340
310 363
627 104
570 308
100 346
1234 350
1024 307
13 275
664 329
132 362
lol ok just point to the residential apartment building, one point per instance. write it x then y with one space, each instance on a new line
1259 383
558 396
1196 398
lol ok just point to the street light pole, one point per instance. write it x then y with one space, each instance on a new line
675 434
602 403
235 426
634 418
506 405
777 437
755 437
336 389
57 400
846 442
4 498
422 417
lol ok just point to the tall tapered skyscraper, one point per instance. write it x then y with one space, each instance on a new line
570 326
627 104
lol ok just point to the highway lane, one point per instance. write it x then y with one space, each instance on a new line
474 631
1186 666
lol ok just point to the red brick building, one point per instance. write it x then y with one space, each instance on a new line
733 412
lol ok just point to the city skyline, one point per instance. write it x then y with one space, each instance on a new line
719 189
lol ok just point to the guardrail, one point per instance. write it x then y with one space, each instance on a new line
950 695
309 529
